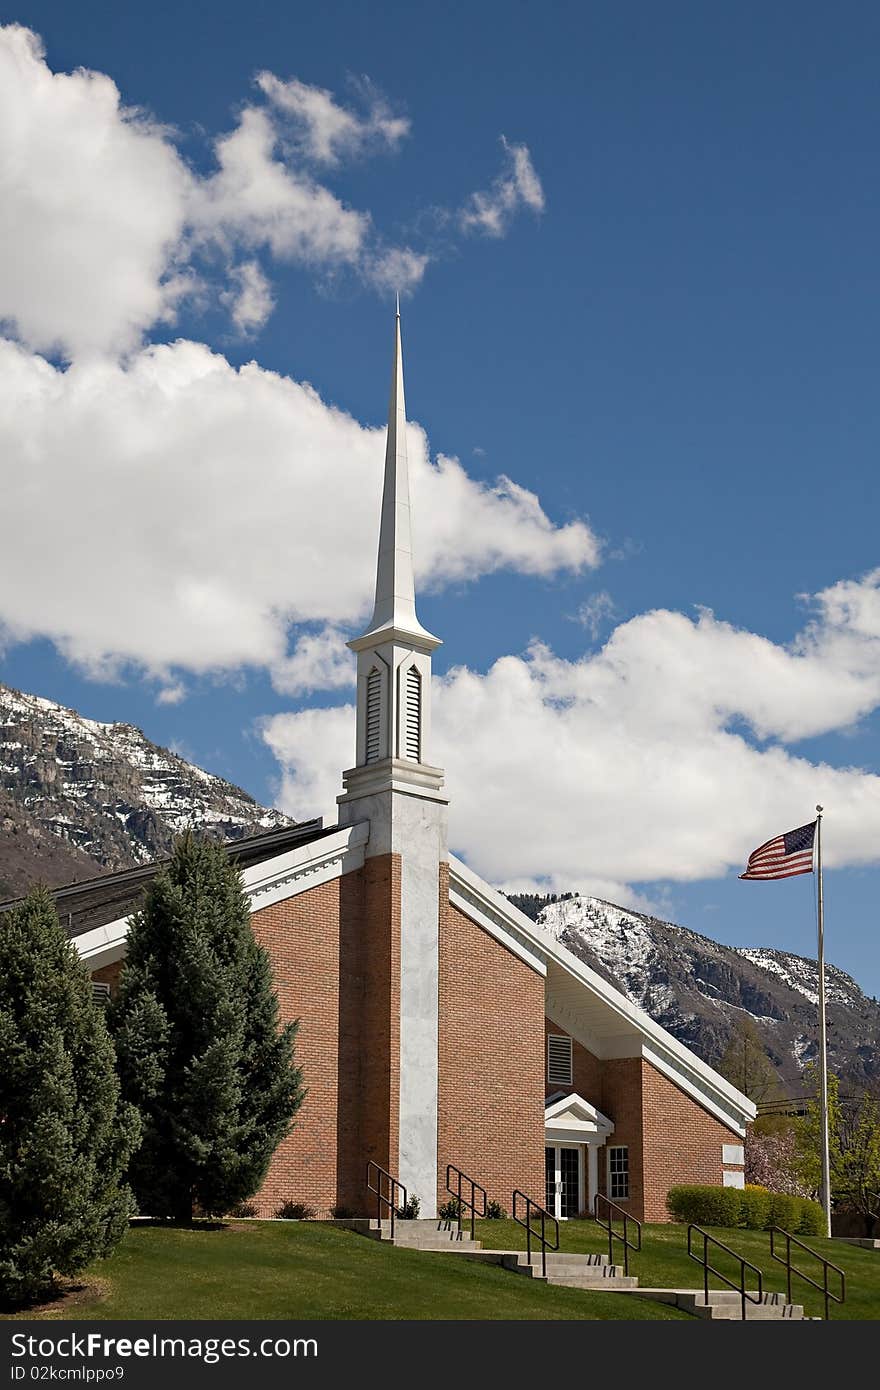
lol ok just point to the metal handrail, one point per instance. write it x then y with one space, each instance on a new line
708 1269
456 1192
790 1269
616 1235
531 1231
393 1187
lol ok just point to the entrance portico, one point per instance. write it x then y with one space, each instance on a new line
574 1132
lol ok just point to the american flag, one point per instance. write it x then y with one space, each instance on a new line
784 856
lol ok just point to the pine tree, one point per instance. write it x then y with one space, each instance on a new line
65 1134
200 1050
746 1065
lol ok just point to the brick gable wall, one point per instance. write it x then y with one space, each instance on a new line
335 952
670 1137
491 1060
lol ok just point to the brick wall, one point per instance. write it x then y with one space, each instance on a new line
491 1060
108 975
586 1070
682 1141
312 940
671 1139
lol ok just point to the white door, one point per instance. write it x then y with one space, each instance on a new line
564 1169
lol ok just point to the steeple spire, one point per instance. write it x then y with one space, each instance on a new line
394 610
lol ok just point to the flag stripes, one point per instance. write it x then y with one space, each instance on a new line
785 856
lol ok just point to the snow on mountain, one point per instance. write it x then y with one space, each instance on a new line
104 790
697 988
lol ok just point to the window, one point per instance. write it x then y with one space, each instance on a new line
559 1059
618 1174
413 715
374 714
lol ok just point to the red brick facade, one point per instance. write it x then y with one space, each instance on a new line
491 1060
670 1138
335 952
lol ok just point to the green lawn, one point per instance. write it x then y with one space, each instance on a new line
663 1261
305 1270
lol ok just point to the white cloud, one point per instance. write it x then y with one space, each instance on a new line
250 300
320 661
665 756
256 198
491 210
92 207
595 612
190 512
325 131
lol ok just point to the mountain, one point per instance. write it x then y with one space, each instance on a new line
697 988
78 797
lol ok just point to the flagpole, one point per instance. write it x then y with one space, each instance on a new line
823 1045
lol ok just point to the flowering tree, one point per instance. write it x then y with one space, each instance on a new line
772 1162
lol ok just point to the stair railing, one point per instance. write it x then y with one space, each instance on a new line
614 1212
708 1268
386 1197
531 1231
828 1294
464 1184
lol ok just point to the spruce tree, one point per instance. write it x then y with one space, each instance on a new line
200 1050
65 1134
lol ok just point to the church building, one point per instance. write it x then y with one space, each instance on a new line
438 1024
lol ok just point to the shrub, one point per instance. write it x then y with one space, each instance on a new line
755 1207
244 1209
410 1212
295 1211
783 1211
495 1212
810 1218
449 1211
706 1206
341 1213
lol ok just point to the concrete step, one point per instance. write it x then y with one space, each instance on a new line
726 1305
593 1268
613 1283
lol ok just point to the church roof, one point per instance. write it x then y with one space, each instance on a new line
93 902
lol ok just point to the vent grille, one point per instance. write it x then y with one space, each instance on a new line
413 741
100 992
374 715
559 1059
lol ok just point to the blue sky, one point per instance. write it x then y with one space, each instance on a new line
678 350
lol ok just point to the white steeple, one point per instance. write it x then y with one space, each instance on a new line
394 653
394 610
396 790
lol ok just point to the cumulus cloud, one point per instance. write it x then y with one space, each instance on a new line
93 204
106 228
665 756
195 511
491 210
325 131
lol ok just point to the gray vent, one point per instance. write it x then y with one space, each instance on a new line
100 992
413 741
374 715
559 1059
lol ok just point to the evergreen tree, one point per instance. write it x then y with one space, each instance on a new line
200 1051
746 1065
65 1134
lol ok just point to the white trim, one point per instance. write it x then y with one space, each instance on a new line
274 880
583 1121
484 906
652 1041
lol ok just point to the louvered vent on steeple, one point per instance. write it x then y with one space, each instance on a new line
374 715
413 715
